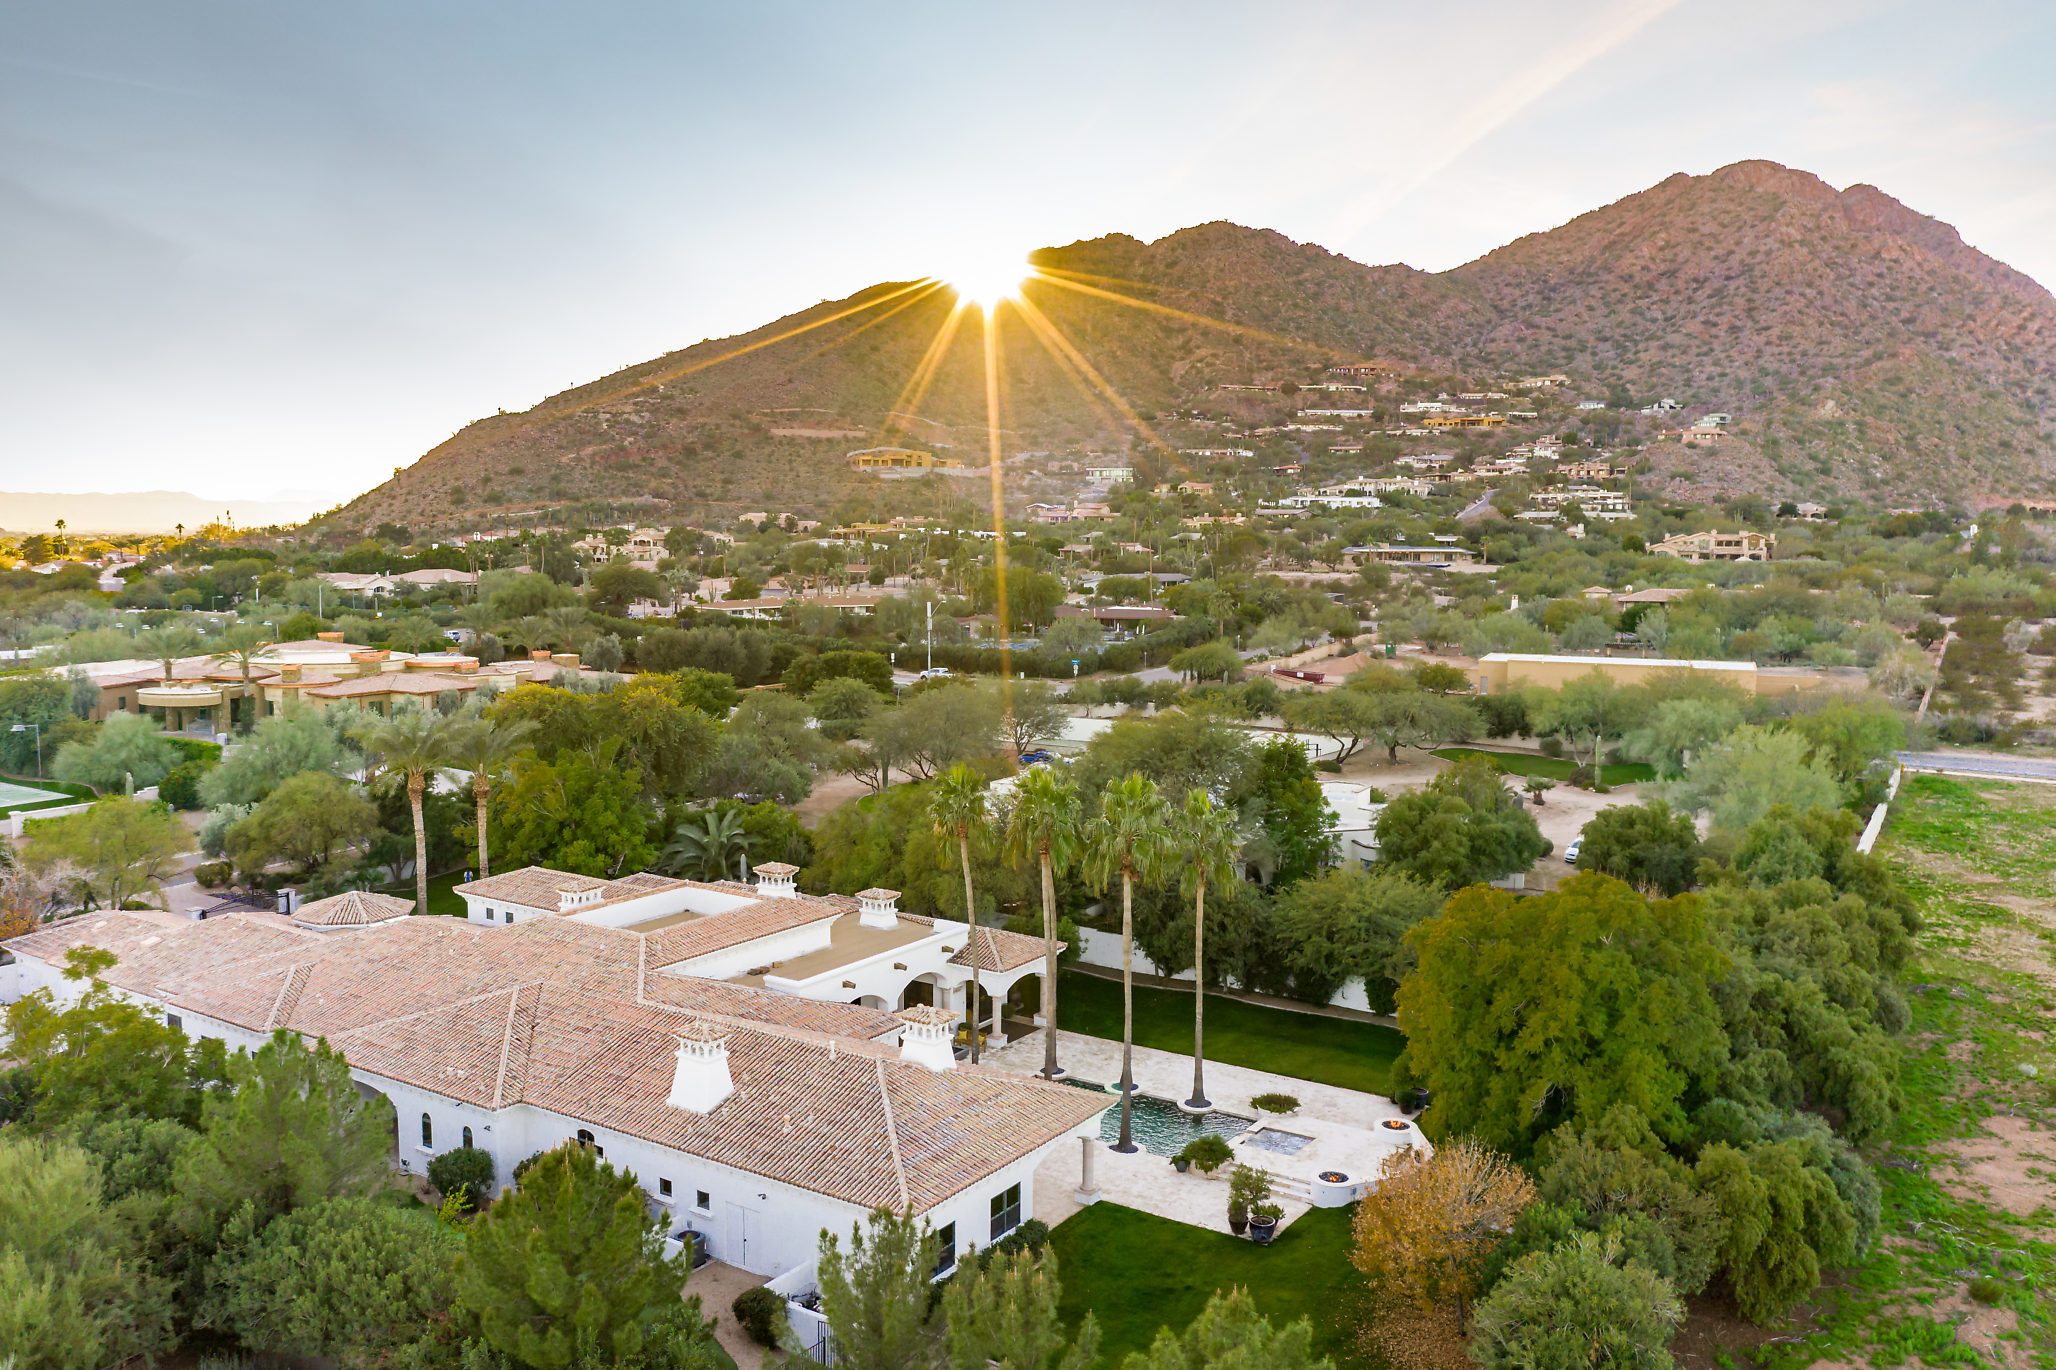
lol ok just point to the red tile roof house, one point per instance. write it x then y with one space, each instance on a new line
734 1047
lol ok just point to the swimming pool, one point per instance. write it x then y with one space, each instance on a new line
1280 1143
1159 1126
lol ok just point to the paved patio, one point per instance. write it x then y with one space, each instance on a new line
716 1285
1343 1128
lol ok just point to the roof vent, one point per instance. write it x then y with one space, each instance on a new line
774 880
925 1038
878 908
700 1081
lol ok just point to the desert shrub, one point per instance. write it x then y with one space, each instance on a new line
758 1310
1552 745
1584 777
466 1167
1275 1103
1987 1290
213 875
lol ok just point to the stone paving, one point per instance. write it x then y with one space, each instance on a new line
1343 1127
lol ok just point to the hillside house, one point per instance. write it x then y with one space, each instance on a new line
1746 545
901 459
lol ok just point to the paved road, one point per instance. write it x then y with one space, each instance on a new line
1477 508
1980 763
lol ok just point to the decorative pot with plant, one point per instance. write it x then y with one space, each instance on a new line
1182 1162
1206 1151
1263 1222
1247 1187
1276 1103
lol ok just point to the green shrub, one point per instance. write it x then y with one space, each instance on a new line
757 1310
1987 1290
1275 1103
180 787
1584 777
1552 746
469 1168
1206 1152
1030 1236
213 875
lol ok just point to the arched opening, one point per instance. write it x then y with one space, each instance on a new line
872 1001
467 1137
427 1131
1023 1007
919 993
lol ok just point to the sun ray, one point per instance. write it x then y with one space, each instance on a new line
929 289
1187 315
1053 336
676 372
995 455
923 375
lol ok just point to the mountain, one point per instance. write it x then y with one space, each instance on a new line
1863 348
140 511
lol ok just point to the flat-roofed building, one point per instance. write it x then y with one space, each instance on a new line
1713 545
1498 672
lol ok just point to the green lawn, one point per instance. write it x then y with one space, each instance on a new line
1553 767
1136 1273
442 898
1306 1046
25 794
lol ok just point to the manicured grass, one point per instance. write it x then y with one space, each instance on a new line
1305 1046
442 898
1137 1272
1553 767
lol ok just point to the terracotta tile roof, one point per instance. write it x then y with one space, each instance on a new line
548 1013
352 909
716 931
1000 950
396 682
539 887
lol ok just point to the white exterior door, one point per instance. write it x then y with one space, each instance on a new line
742 1235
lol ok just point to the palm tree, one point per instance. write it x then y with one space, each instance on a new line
1128 840
485 748
703 842
1044 822
957 807
567 625
534 631
413 741
1208 841
240 647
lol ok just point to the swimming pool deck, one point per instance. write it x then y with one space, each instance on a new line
1343 1125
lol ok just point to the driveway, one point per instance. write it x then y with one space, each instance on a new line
1980 763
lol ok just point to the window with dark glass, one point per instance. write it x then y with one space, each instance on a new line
664 1187
946 1249
467 1136
1006 1211
427 1131
703 1201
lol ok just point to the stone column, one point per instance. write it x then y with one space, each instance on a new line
1088 1188
996 1035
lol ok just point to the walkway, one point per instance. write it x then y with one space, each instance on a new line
1979 763
1341 1127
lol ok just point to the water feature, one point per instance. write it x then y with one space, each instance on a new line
1280 1143
1159 1126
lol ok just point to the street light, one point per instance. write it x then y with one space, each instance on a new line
24 727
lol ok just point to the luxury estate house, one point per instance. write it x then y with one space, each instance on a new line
733 1047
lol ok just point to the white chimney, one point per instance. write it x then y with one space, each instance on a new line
700 1081
925 1038
878 908
774 880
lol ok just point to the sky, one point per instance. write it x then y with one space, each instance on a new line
275 251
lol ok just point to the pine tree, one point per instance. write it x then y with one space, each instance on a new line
876 1295
571 1264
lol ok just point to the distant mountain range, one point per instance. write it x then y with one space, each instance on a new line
1863 348
140 511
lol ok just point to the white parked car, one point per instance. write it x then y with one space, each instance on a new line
1570 853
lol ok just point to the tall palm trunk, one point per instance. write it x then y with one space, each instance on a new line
971 916
479 787
417 784
1199 1099
1127 1142
1049 967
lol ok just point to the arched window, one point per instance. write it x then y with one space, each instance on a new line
584 1138
467 1137
427 1131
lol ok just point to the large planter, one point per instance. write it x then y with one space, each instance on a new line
1237 1225
1261 1230
1182 1164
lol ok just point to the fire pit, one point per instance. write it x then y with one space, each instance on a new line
1334 1177
1395 1125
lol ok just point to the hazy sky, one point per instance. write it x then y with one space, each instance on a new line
260 248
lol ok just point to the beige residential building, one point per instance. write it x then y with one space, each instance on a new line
1498 672
1713 545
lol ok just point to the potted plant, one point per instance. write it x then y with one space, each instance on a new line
1181 1163
1263 1222
1247 1187
1206 1151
